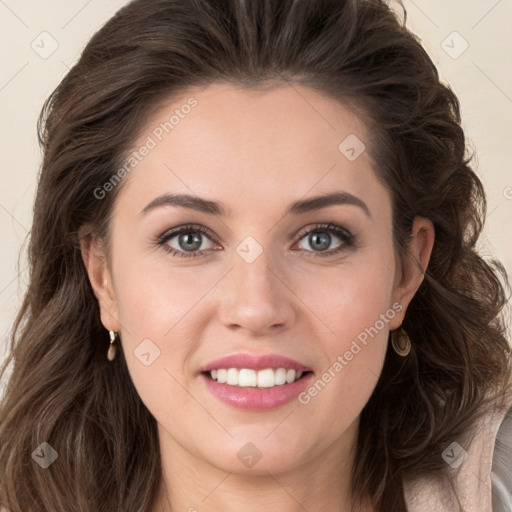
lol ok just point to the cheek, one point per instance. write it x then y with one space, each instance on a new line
354 303
152 296
359 328
350 298
356 307
153 307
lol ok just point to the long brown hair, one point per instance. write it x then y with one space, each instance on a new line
62 389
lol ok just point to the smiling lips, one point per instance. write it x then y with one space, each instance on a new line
255 382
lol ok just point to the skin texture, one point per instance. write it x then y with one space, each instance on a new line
256 153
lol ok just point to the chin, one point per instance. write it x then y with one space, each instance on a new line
257 456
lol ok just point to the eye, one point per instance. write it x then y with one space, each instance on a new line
321 236
190 241
186 241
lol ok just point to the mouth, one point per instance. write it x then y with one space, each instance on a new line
250 378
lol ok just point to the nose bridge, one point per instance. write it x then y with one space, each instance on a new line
255 298
253 279
252 270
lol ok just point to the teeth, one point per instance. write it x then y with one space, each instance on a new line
246 377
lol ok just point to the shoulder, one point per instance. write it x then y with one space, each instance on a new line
475 482
501 475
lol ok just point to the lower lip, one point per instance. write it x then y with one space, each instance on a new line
257 399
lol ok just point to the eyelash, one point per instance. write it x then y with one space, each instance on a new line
347 239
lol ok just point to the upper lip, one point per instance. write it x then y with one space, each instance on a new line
255 362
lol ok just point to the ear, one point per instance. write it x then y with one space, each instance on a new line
95 261
414 265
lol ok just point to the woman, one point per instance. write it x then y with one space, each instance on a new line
254 282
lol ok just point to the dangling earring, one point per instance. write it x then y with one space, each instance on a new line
111 354
401 342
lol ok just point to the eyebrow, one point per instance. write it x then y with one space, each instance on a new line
216 208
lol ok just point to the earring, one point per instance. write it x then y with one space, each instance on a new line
111 354
401 342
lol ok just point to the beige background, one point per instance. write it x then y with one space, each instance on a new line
481 76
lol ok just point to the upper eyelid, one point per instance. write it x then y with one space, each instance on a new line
327 226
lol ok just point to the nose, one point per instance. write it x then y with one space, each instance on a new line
255 297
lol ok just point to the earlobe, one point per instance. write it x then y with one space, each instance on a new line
414 263
95 263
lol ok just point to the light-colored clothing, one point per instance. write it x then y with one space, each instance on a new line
501 475
480 487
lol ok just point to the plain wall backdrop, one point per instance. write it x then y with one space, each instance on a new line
469 40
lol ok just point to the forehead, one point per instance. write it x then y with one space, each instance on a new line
257 145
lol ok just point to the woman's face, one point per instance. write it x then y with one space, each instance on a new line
254 285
